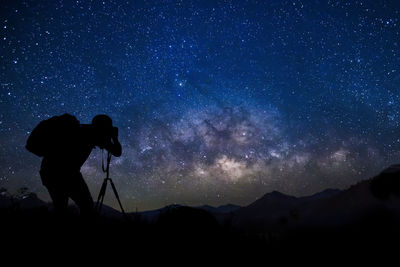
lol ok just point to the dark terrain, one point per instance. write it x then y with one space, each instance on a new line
361 222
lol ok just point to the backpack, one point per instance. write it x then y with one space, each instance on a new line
52 134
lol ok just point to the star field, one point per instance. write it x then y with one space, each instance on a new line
216 101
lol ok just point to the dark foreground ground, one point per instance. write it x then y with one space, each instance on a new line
189 236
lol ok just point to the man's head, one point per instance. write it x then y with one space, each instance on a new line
103 129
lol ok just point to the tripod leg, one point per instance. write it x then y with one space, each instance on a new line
117 197
100 198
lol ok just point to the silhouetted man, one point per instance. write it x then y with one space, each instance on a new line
60 172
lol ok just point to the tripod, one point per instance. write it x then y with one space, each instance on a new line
100 198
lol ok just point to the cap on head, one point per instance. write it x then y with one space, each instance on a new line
102 122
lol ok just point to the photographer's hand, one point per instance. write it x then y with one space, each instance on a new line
114 134
114 147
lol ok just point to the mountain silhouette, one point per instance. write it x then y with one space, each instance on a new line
223 209
153 215
364 217
327 193
329 208
266 211
26 202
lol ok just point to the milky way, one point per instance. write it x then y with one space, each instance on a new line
216 101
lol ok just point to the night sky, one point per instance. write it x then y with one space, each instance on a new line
216 101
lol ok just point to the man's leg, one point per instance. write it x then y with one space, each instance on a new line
57 192
60 200
80 194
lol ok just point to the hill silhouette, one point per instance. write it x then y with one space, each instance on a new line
365 216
